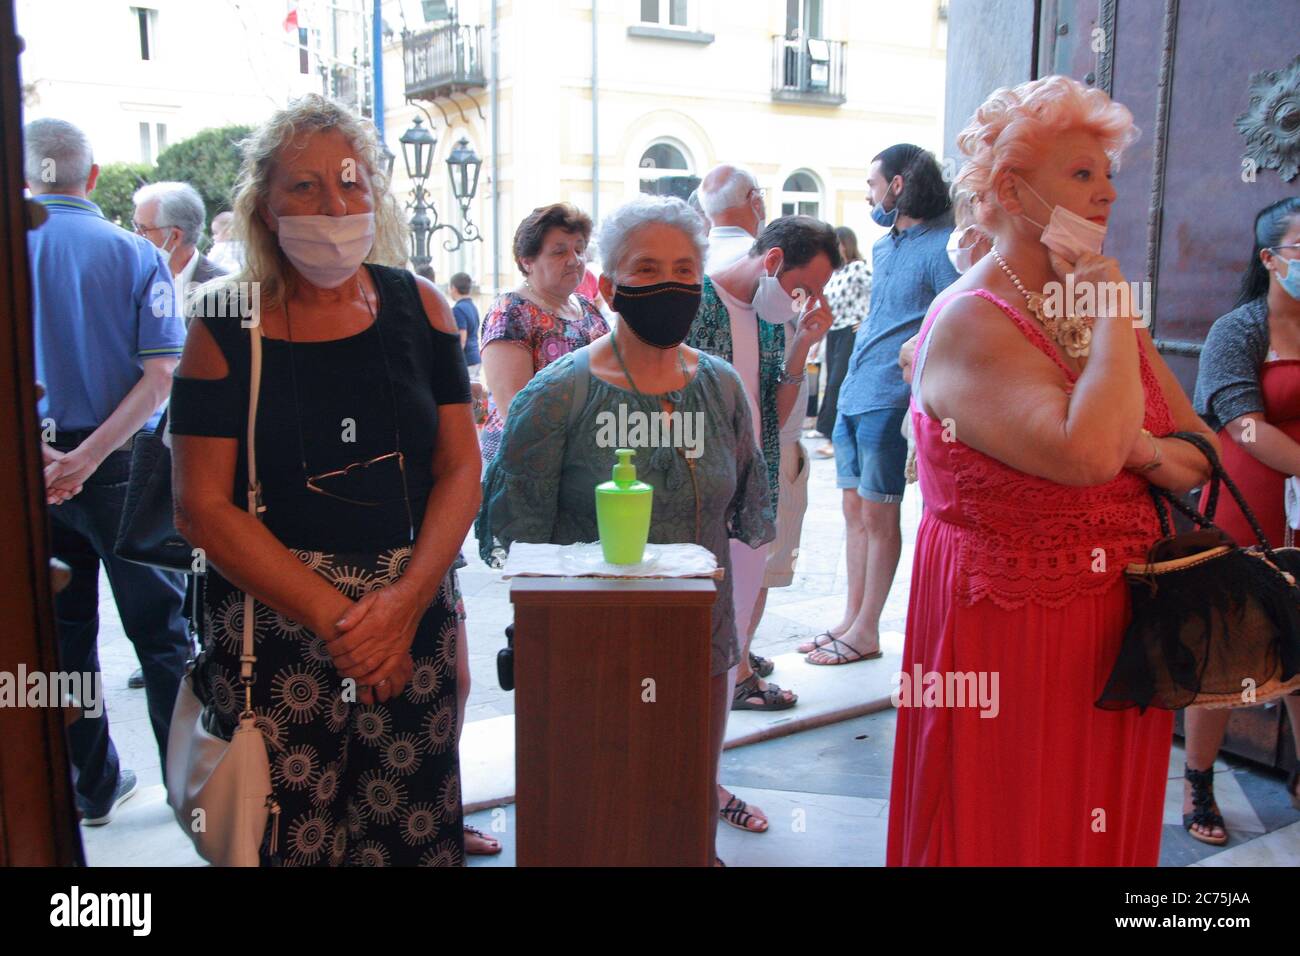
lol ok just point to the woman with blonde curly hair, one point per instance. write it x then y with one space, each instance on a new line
1038 430
363 428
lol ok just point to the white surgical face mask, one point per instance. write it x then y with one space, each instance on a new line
1068 234
959 255
772 303
327 250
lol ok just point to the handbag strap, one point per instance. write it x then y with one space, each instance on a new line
1217 475
255 508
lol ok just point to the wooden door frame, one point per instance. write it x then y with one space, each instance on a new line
38 820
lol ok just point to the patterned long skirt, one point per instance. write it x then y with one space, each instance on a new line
357 785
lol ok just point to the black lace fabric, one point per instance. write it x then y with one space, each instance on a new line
1220 631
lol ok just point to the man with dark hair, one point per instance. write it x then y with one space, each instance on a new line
466 314
910 267
762 313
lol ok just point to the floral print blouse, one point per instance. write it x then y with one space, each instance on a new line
547 336
848 293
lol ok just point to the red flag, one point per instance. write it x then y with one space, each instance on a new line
291 21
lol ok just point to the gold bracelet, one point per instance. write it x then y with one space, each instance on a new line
1156 459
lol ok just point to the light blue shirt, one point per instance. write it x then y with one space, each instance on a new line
103 301
909 269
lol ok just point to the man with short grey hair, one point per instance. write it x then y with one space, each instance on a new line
733 202
171 216
108 336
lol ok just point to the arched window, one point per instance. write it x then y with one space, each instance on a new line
664 170
801 195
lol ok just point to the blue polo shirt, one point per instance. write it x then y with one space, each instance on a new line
466 314
103 302
909 269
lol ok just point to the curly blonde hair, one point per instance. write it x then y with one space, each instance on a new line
1009 131
264 263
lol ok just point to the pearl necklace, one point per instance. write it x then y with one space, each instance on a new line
1072 332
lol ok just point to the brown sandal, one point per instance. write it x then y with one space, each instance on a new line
772 696
816 644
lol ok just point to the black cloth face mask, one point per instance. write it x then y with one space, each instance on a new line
659 314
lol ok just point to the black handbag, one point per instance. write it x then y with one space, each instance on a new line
147 533
1213 624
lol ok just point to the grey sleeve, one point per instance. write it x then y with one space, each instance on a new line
1227 382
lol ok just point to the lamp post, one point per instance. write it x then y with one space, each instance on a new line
417 151
463 167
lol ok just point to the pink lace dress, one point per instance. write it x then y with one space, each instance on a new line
1017 611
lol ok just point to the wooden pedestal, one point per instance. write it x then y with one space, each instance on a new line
612 752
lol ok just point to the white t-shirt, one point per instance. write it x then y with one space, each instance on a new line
793 426
744 351
183 277
726 245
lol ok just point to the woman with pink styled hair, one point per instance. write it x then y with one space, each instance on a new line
1039 424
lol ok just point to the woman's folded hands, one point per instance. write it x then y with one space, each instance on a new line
372 642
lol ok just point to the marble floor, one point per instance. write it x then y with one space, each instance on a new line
824 789
826 793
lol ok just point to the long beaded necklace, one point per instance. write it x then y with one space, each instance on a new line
1072 332
675 398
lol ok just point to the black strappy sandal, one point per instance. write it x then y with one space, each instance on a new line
736 813
1204 813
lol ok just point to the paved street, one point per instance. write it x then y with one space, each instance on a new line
837 776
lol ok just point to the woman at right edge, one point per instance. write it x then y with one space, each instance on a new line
1036 439
1248 386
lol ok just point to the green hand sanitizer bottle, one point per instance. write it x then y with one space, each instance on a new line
623 512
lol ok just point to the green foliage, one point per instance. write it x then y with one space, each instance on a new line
208 161
116 185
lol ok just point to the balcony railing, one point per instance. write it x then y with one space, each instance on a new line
443 61
808 70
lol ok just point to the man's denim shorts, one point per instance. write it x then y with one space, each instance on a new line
871 454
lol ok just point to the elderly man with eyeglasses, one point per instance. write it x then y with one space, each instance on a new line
171 216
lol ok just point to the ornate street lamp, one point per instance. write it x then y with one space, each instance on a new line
418 144
463 167
417 151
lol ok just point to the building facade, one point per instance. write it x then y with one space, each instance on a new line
140 75
801 92
586 101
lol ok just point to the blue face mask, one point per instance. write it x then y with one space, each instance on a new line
1290 282
882 218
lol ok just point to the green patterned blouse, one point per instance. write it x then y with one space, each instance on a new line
541 486
711 333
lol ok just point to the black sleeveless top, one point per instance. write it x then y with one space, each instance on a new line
343 408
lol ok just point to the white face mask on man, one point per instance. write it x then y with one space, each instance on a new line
773 305
1067 234
327 250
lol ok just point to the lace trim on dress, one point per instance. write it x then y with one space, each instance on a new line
1028 539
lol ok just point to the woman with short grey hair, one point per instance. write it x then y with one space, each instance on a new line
710 481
